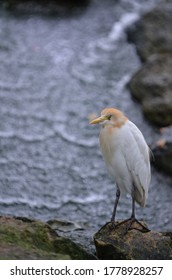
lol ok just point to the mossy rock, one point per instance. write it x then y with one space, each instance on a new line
21 238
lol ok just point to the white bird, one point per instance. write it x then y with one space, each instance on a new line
126 155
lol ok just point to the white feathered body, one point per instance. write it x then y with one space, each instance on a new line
128 159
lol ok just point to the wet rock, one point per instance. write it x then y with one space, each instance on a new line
162 151
152 85
52 7
21 238
65 226
78 232
152 34
115 243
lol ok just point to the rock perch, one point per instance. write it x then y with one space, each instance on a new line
117 244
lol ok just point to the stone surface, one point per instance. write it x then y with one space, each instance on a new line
115 244
21 238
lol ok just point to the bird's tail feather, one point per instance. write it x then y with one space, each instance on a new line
140 196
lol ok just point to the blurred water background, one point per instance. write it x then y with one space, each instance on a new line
54 73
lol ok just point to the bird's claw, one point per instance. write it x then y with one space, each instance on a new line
131 223
141 227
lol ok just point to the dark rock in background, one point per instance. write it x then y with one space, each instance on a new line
163 157
162 151
45 7
152 84
152 33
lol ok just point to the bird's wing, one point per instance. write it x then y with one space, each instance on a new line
136 153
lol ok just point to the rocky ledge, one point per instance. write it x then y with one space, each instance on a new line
115 243
152 84
25 239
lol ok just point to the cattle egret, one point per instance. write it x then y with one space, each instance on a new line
127 157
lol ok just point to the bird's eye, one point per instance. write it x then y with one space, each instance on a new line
109 117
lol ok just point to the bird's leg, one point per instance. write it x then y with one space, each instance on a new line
133 219
115 205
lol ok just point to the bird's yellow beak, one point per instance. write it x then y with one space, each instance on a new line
99 120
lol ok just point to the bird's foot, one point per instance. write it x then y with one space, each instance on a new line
133 223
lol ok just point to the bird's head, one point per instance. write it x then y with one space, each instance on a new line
111 116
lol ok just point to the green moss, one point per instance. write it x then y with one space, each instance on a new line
25 239
34 235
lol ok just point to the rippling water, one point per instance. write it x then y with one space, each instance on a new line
55 73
